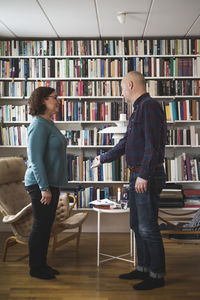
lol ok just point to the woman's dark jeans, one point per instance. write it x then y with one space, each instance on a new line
143 220
43 218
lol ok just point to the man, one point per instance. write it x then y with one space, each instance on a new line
144 146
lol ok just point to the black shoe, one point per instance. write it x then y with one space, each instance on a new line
134 275
53 271
42 273
150 283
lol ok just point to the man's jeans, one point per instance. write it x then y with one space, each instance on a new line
143 220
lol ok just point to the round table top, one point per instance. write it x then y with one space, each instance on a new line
111 210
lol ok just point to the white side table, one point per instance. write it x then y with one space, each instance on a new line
132 238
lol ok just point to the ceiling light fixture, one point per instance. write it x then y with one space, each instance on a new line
121 16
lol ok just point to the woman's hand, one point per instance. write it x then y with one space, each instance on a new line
46 197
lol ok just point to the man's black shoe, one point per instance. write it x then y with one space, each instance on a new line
134 275
53 271
42 273
150 283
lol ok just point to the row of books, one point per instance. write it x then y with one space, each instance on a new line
174 197
92 111
15 113
70 111
80 67
100 47
182 110
88 137
85 196
186 136
61 68
182 168
79 169
13 136
103 111
183 136
16 136
63 88
169 197
173 87
100 88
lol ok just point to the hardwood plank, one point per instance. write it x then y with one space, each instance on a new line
80 279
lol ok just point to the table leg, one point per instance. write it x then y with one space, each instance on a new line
134 249
98 237
131 242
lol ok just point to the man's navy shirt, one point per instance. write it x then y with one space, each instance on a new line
145 138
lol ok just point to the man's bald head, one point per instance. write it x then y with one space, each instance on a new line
133 86
136 77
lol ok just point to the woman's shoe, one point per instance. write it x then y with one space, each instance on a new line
53 271
42 273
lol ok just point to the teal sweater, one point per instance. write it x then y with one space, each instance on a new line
46 155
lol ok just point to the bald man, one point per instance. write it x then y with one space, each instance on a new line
144 147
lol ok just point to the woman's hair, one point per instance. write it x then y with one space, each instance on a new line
36 100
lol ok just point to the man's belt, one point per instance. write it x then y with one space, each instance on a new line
137 169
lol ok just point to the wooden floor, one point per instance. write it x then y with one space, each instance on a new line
80 278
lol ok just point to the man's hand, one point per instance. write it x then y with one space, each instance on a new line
46 197
96 162
141 185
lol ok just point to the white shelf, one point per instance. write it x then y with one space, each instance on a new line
89 146
188 181
183 121
98 182
103 146
13 147
62 78
100 56
97 122
63 122
182 146
13 98
101 97
95 78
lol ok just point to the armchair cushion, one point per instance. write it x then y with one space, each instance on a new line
74 221
12 169
9 219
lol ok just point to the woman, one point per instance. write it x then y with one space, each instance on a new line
47 172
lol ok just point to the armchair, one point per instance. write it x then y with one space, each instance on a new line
16 208
177 224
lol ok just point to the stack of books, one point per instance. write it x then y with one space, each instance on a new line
171 196
192 198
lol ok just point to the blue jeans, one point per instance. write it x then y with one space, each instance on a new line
43 218
143 220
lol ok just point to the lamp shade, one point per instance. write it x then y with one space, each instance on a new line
118 130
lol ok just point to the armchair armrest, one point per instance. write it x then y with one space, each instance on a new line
9 219
75 200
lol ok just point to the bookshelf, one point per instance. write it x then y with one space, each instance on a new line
86 75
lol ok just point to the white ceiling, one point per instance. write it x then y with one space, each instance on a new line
97 18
